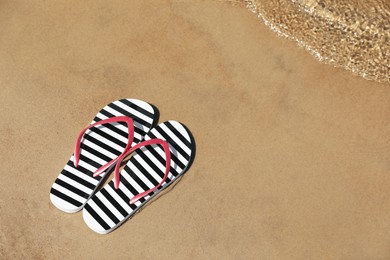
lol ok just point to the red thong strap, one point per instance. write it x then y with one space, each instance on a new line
165 146
130 129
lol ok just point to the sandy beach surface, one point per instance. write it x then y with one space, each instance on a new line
293 156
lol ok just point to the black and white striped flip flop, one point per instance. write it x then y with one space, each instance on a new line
146 174
98 147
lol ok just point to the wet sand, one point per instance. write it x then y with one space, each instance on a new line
348 34
293 156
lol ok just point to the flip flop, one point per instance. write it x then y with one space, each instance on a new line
165 154
118 126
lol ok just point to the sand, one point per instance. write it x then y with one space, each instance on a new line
293 156
351 34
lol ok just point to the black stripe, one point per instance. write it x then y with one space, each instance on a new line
154 167
178 134
129 187
115 203
80 168
136 140
150 163
162 160
138 108
115 129
89 161
96 217
135 177
172 143
111 126
139 166
140 183
107 136
136 129
65 197
129 114
109 115
122 195
85 147
103 145
173 157
78 179
72 188
105 209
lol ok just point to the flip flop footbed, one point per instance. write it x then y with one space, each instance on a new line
110 207
100 144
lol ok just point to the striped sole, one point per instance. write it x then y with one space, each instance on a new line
75 185
110 207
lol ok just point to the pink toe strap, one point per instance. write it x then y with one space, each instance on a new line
165 146
130 129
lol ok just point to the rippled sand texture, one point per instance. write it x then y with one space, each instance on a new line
350 34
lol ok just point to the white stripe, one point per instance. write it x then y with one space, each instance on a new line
75 184
139 203
100 149
120 127
88 166
153 173
81 175
175 138
174 151
101 213
111 133
134 112
85 165
110 207
107 142
114 194
123 188
69 193
142 104
151 157
131 181
160 151
64 203
179 127
140 175
116 113
148 168
93 157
